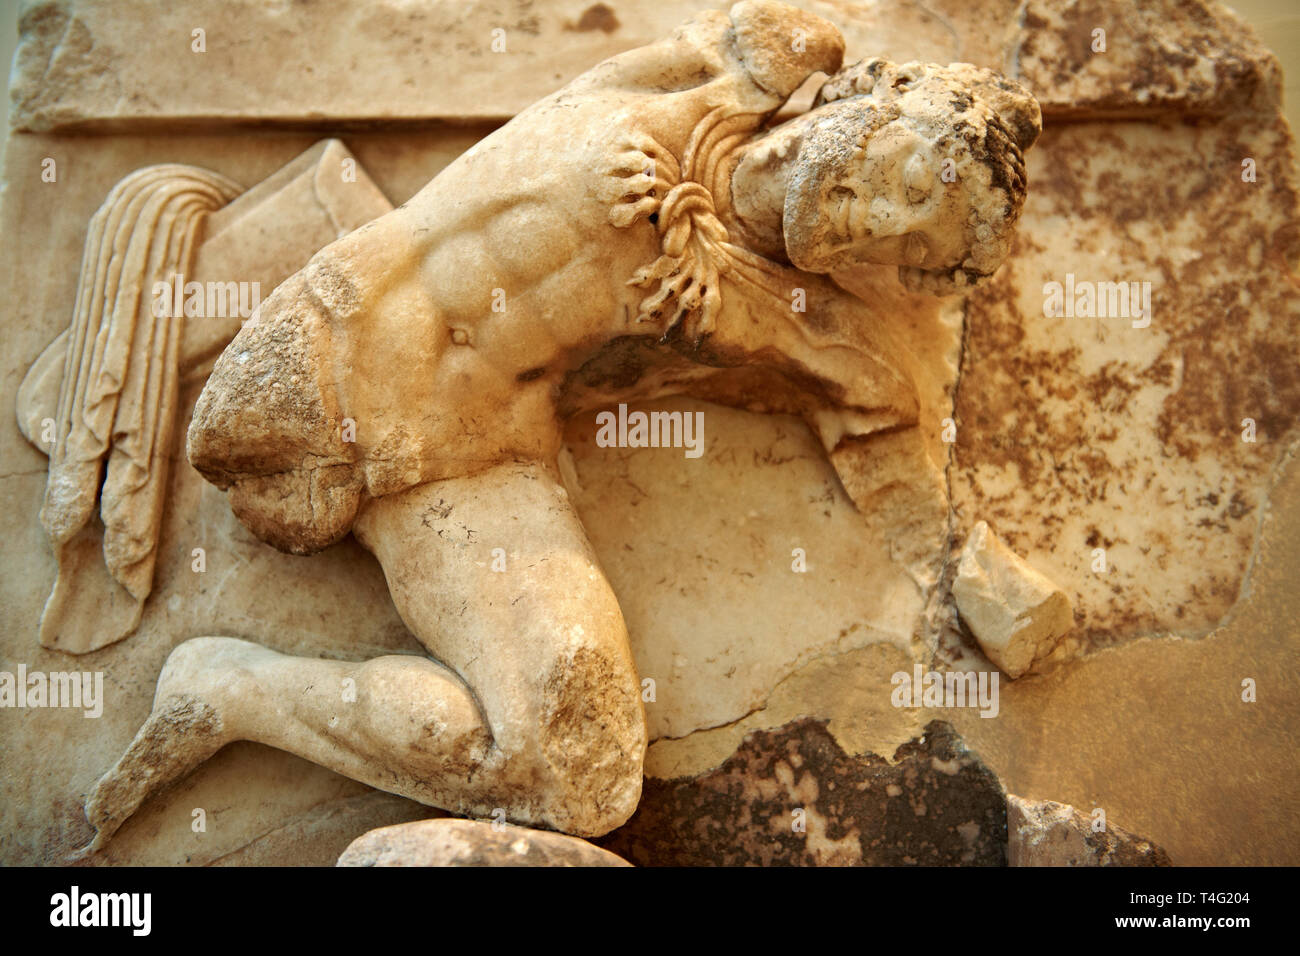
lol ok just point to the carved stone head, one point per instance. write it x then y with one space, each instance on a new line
919 166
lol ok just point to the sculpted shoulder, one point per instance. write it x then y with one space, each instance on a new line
556 152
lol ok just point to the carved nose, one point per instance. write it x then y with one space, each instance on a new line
262 410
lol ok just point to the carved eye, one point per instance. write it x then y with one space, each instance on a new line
841 194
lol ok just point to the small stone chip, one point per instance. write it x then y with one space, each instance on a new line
1017 614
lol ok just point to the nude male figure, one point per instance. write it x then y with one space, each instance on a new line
638 233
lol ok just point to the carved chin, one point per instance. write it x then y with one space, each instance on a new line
299 511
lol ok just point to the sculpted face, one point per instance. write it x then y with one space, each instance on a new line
916 166
290 420
890 205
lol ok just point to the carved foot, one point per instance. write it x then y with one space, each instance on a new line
189 723
179 735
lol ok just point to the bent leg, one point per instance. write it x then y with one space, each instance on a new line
552 731
342 715
495 576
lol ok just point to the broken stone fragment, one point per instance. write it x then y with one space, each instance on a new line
1017 614
1046 833
451 842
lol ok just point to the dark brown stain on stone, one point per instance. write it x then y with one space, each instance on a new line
1143 70
1036 409
598 16
937 804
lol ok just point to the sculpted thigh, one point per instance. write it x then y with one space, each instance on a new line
495 575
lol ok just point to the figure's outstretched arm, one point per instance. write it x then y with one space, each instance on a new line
768 48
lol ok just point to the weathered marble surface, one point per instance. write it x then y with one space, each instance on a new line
1072 434
557 267
1161 56
471 843
1084 433
1046 833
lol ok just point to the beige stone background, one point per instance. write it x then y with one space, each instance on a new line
1276 21
1151 730
8 39
1278 24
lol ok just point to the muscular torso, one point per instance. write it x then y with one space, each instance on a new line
514 279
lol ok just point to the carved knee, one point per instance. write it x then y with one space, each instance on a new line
593 741
216 669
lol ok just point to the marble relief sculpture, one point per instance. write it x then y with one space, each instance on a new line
117 389
642 232
103 398
651 432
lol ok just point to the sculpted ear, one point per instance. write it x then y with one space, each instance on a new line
782 46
